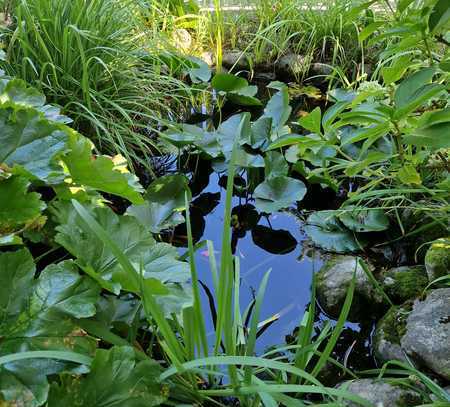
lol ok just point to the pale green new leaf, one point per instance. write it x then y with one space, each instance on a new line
102 173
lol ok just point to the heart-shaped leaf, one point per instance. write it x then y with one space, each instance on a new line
278 192
327 232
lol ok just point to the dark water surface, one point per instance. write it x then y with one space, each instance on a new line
273 242
289 287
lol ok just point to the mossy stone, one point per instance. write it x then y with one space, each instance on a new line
437 259
382 392
333 281
404 283
388 333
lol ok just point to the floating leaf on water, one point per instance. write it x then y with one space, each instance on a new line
364 220
326 231
278 192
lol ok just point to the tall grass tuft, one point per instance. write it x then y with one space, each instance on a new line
95 60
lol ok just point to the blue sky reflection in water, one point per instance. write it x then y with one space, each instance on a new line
288 292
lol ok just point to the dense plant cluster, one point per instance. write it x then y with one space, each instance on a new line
96 310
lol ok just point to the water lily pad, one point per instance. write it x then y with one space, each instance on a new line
278 192
327 232
364 220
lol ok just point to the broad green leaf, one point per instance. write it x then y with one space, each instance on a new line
409 175
115 379
369 30
333 112
20 93
395 72
277 107
364 220
102 173
164 202
275 165
435 117
199 71
445 65
312 121
278 192
16 275
18 207
162 272
407 89
209 144
41 314
227 82
373 157
423 95
433 137
414 91
403 5
22 385
183 135
236 127
326 231
10 240
30 142
244 96
287 140
440 16
247 160
236 89
261 132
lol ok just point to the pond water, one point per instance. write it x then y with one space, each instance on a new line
273 242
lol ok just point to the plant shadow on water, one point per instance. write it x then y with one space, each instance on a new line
262 242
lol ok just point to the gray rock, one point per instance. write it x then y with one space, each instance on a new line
437 259
333 281
208 57
236 59
265 76
292 64
388 333
320 69
182 39
404 283
427 337
434 398
381 393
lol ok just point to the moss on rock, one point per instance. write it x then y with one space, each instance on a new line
437 259
404 283
388 333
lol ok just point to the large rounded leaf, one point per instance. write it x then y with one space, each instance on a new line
327 232
278 192
364 220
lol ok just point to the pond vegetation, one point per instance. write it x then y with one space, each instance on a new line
212 203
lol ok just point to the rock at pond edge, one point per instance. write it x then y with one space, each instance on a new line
333 281
437 259
381 393
427 337
388 333
404 283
